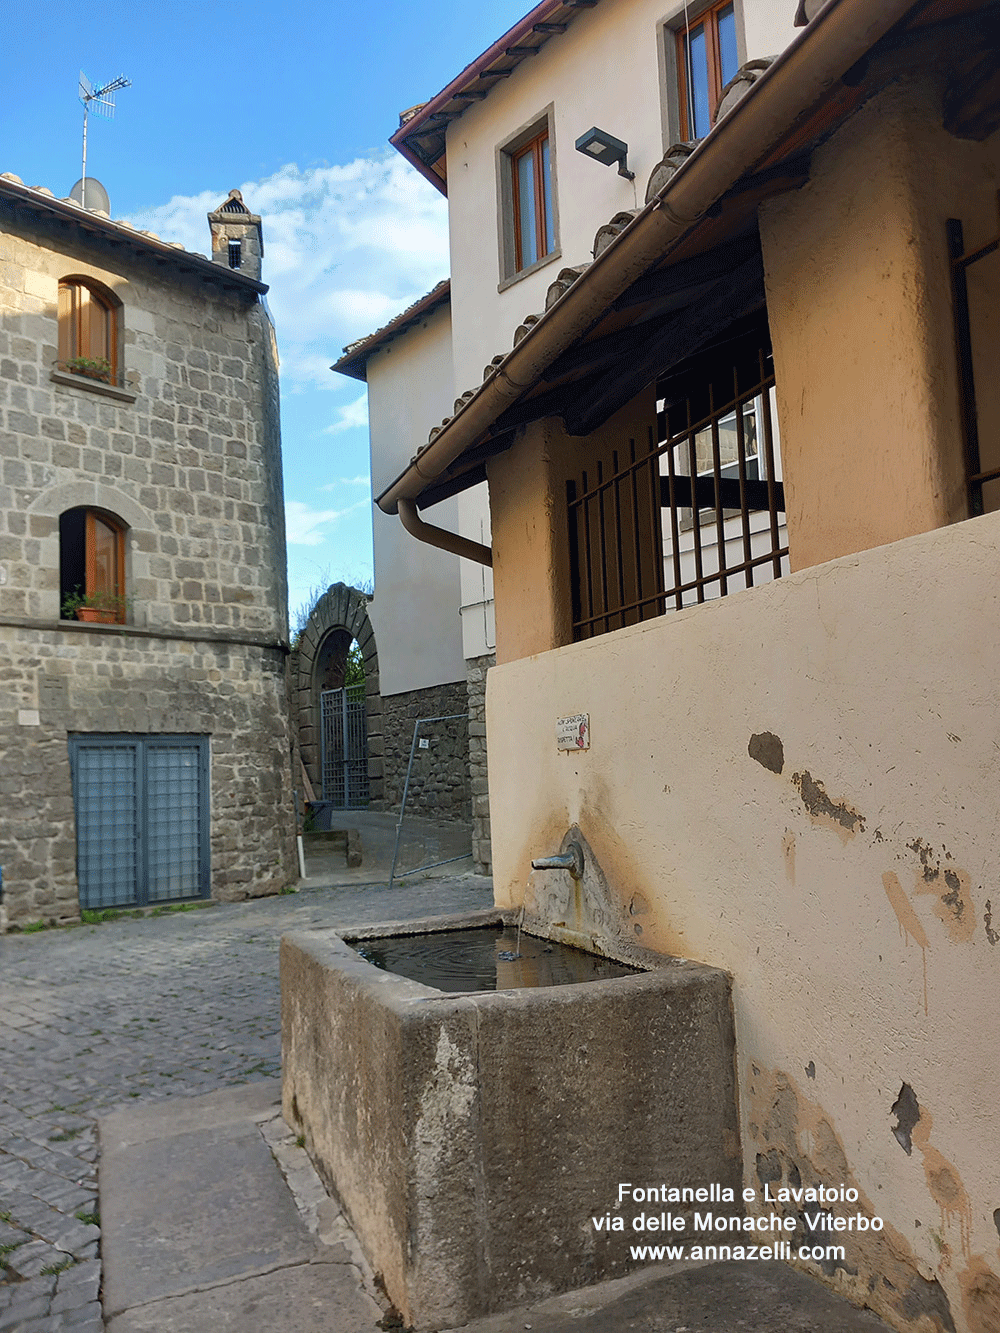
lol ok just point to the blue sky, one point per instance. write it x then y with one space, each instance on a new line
294 105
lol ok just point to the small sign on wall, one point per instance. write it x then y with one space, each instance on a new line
573 733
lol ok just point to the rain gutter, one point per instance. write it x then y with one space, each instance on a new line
838 37
441 537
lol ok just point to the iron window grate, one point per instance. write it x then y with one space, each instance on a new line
142 818
694 514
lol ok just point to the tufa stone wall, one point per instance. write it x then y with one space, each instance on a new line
439 782
482 855
94 679
341 610
184 451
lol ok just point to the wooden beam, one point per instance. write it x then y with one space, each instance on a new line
690 272
729 493
729 300
972 99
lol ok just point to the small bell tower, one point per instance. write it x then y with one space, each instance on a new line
237 239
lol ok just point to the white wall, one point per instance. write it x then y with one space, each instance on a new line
415 612
478 618
608 69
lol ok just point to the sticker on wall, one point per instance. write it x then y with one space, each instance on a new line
573 733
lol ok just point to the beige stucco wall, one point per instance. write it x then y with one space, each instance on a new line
580 74
415 611
860 306
851 895
527 489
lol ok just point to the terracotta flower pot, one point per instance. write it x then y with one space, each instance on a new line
94 615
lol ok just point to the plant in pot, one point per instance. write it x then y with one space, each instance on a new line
93 367
102 608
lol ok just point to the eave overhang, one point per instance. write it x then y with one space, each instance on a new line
421 137
24 199
354 362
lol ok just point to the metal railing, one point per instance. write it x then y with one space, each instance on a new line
692 516
977 477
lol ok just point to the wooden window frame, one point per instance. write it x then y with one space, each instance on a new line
79 301
89 586
542 218
708 19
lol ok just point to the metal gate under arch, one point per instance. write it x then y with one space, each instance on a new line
344 739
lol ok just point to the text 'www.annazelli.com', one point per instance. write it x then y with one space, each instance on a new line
780 1250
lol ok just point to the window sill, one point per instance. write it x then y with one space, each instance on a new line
92 386
550 258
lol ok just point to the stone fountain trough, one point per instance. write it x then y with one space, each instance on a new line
471 1137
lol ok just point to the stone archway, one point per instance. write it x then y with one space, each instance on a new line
340 616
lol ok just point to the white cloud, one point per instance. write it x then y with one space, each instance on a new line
303 524
363 480
350 415
345 249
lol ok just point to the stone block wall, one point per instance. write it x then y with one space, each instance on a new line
184 450
340 608
482 855
96 679
439 782
185 453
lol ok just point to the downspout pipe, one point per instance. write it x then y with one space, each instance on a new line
440 537
838 37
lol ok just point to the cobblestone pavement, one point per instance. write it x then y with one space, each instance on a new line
98 1016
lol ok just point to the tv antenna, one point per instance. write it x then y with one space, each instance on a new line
102 100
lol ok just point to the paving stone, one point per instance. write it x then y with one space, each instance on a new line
29 1260
139 1011
25 1317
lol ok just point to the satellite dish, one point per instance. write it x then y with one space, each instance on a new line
91 194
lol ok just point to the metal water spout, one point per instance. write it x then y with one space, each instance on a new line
571 860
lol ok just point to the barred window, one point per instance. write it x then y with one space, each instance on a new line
695 511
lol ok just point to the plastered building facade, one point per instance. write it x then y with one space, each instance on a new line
795 782
145 760
432 612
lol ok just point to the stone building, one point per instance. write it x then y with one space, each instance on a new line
145 757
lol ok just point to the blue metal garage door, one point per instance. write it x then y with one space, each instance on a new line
141 818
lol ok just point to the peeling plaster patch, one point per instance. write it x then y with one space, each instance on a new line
767 749
996 1219
811 1069
794 1135
834 815
788 852
907 1113
954 908
638 905
769 1168
927 1298
991 934
980 1297
944 1183
909 922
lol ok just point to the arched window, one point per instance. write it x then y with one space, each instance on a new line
88 331
92 566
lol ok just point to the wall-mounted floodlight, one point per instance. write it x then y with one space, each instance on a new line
605 148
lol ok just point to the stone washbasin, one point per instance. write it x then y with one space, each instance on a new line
471 1137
